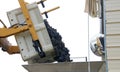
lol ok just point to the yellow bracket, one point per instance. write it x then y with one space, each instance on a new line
4 43
28 19
50 10
13 50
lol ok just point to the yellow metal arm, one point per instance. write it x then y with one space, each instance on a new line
28 19
5 32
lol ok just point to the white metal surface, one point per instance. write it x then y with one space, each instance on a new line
24 39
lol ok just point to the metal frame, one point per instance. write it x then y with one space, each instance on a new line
15 29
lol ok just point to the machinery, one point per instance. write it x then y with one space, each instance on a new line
37 41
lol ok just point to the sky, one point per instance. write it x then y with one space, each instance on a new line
70 21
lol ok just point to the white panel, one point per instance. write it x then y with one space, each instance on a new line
113 34
25 45
112 5
113 53
114 65
113 28
113 40
113 16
